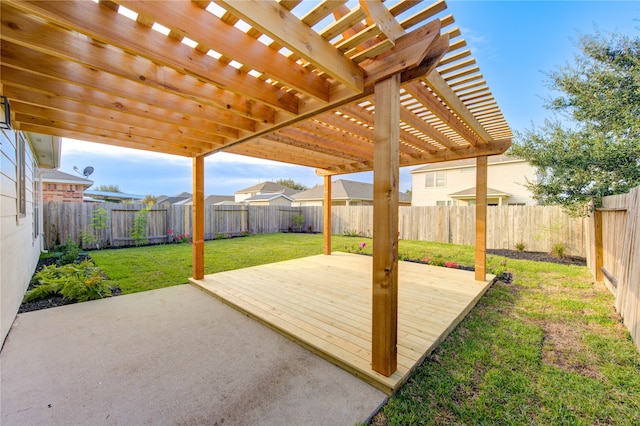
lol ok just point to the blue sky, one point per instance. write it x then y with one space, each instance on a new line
513 42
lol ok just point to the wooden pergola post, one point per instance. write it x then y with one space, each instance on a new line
327 215
385 226
198 217
481 219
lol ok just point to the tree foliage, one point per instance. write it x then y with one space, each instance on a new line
108 188
592 146
290 183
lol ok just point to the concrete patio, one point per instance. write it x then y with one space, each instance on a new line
168 356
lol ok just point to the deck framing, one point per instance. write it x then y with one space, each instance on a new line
324 303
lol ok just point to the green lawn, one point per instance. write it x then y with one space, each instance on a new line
547 348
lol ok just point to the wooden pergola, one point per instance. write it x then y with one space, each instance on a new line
341 88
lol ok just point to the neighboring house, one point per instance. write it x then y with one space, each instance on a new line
453 183
261 189
215 200
343 193
113 197
175 200
61 186
22 156
277 199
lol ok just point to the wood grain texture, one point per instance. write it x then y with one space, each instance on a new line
324 304
481 219
385 226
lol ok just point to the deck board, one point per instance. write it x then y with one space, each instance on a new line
324 303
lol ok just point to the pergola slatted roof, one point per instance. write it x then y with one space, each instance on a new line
373 86
256 78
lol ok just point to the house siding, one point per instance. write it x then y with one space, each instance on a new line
19 246
509 177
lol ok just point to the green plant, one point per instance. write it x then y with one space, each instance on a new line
298 221
351 233
76 282
139 230
520 247
558 250
87 238
99 221
70 252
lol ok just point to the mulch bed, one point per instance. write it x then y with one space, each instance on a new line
55 300
539 256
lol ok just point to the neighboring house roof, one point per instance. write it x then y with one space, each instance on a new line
471 193
106 195
212 199
268 197
265 187
468 162
343 189
176 199
56 176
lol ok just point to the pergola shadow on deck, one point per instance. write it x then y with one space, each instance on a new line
324 304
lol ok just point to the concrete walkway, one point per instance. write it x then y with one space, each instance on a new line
168 356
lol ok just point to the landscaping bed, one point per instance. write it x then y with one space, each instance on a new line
539 256
53 300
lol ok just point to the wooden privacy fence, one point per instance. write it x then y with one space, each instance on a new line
537 227
613 254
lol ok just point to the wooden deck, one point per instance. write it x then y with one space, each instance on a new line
324 303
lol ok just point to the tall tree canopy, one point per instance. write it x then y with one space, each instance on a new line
290 183
108 188
592 146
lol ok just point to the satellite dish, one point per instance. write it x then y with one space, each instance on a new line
87 171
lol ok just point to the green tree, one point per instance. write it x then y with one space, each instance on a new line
591 148
290 183
150 199
108 188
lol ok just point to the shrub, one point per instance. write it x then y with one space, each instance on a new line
139 230
76 282
520 247
298 221
70 252
558 250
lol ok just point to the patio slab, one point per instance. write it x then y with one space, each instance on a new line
168 356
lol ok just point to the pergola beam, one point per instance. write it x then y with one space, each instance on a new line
281 25
112 28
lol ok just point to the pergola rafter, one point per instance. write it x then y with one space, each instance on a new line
338 88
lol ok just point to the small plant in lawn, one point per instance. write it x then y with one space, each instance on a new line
78 282
498 268
220 236
520 247
351 233
451 264
356 249
558 250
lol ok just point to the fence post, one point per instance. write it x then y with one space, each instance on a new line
597 216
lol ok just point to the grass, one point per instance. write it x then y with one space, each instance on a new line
547 348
